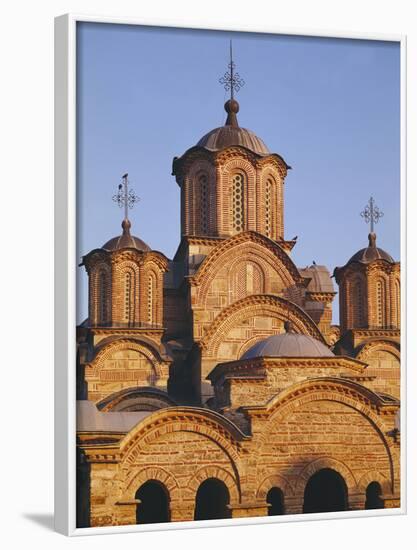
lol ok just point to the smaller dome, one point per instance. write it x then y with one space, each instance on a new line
320 278
288 344
371 253
126 240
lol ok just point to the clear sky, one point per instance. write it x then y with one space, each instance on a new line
330 107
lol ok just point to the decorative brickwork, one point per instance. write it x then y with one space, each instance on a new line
290 441
224 193
124 364
369 294
209 382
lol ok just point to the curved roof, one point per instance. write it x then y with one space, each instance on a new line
371 253
288 344
231 134
320 278
227 136
126 240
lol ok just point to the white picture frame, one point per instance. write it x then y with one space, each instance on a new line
66 265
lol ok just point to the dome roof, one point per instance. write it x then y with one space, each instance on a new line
288 344
231 134
371 253
227 136
320 278
126 240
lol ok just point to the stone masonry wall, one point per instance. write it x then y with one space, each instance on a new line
286 448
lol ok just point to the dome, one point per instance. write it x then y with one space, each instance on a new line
227 136
288 344
126 240
371 253
320 278
231 134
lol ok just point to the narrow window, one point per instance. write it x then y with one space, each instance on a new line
275 499
373 496
102 298
238 202
268 207
151 300
380 303
245 279
358 305
204 214
127 297
397 304
355 303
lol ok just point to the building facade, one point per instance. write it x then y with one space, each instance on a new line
214 384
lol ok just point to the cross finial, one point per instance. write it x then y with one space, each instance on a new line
371 214
231 80
125 197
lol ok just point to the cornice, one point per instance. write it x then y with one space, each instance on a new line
128 331
376 332
260 365
244 237
331 385
340 273
321 296
180 165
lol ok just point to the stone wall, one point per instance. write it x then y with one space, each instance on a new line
123 364
289 442
387 370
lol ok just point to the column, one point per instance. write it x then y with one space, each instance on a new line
249 510
125 512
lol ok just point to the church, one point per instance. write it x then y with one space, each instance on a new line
214 384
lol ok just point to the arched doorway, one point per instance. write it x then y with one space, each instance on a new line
325 492
373 496
154 503
275 498
211 500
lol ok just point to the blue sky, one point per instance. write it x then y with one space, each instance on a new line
330 107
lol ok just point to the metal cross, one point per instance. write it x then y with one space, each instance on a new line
371 213
231 80
125 197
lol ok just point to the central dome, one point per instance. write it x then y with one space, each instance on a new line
231 134
288 344
227 136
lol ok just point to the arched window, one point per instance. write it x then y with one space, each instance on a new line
268 214
325 491
238 199
154 503
381 303
102 305
211 501
397 304
357 300
128 287
270 208
354 306
204 203
275 499
152 299
373 496
247 278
